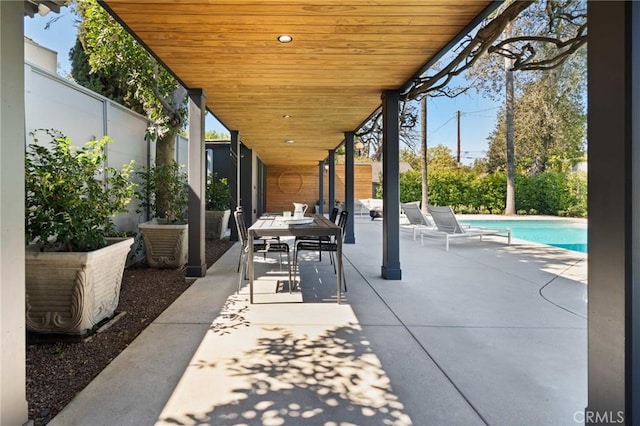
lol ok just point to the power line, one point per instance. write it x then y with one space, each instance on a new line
443 124
464 114
482 110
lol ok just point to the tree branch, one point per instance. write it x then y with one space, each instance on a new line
524 56
476 46
521 49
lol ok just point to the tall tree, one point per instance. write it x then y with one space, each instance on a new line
100 81
510 203
549 128
440 157
213 135
423 156
552 32
135 76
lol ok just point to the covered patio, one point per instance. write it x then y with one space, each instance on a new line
492 334
382 293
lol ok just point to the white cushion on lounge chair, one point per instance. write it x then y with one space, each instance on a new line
447 224
364 205
360 208
417 219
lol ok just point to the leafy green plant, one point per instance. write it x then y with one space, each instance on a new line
218 195
70 196
469 191
164 192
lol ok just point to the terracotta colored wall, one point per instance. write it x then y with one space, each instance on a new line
289 184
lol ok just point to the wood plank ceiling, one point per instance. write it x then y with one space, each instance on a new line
325 82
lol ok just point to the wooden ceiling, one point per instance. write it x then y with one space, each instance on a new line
328 80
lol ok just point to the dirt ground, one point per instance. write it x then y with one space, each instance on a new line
57 371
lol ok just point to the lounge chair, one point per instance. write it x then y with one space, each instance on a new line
447 224
417 219
360 208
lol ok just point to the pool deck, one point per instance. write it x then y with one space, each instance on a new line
483 334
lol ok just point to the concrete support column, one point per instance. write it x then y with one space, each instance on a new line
197 263
391 185
262 188
246 183
13 403
614 218
321 186
234 181
349 182
332 178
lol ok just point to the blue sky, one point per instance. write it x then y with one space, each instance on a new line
478 114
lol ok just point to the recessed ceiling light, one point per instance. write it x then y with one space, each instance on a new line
285 38
286 116
289 141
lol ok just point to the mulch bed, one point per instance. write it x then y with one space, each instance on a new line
56 372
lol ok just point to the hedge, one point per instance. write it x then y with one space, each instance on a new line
550 193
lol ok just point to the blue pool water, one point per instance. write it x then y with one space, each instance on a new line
558 233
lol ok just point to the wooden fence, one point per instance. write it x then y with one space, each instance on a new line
289 184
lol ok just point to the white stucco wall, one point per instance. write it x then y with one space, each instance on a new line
40 55
53 102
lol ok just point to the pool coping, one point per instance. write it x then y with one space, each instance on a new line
520 217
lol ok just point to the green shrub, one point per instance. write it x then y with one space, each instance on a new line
218 195
70 196
576 194
164 192
410 186
468 192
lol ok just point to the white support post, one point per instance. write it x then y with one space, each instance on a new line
13 403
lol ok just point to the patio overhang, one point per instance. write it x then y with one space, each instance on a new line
42 7
312 90
614 169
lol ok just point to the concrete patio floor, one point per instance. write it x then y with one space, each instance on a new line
482 334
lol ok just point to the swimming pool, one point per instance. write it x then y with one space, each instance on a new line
559 233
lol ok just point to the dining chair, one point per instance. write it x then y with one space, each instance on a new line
329 245
332 217
259 246
277 239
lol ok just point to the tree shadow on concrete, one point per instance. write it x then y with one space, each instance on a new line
330 379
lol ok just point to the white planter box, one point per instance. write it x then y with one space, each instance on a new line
216 223
166 246
70 293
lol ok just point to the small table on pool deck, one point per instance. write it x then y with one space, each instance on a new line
268 226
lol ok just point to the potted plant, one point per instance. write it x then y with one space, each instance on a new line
163 195
73 272
218 198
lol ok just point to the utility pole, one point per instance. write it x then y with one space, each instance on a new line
458 150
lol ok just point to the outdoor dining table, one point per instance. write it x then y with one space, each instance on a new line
272 225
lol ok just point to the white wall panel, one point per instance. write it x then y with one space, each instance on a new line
52 103
182 151
127 130
55 103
